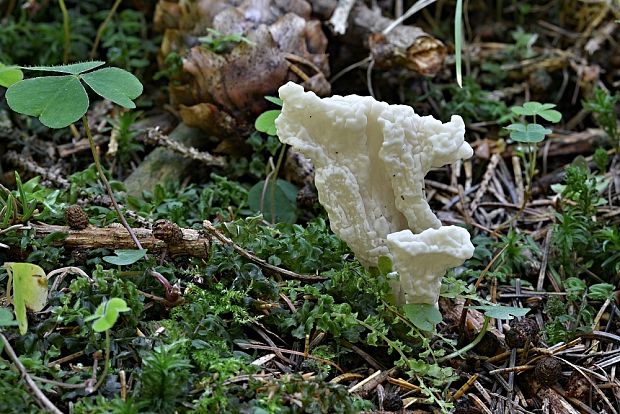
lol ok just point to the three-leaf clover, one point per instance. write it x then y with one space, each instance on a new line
532 132
545 111
59 101
107 314
527 132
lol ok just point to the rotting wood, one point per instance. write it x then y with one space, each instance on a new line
193 243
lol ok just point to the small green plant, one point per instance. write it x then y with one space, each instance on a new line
603 106
104 318
530 134
218 42
273 197
123 144
564 325
522 48
471 102
126 41
165 377
29 200
107 314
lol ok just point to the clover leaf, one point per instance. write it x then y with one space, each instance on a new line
501 312
107 313
59 101
423 315
527 132
125 257
266 122
9 75
538 109
72 68
114 84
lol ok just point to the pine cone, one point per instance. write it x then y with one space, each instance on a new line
76 218
167 231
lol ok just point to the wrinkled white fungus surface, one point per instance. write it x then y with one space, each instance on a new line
422 259
370 160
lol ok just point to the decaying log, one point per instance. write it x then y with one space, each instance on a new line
192 244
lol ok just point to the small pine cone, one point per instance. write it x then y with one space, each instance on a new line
548 371
167 231
522 332
76 218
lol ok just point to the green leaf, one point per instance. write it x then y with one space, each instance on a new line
29 285
423 315
107 313
528 133
501 312
278 201
9 75
601 291
58 101
73 68
6 318
551 115
274 100
125 257
385 265
538 109
266 122
115 84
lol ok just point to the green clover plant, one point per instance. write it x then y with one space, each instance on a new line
529 134
60 100
107 314
104 318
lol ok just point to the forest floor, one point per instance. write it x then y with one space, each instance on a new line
206 296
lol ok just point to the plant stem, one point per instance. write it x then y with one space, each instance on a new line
107 360
106 184
102 27
67 34
470 345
